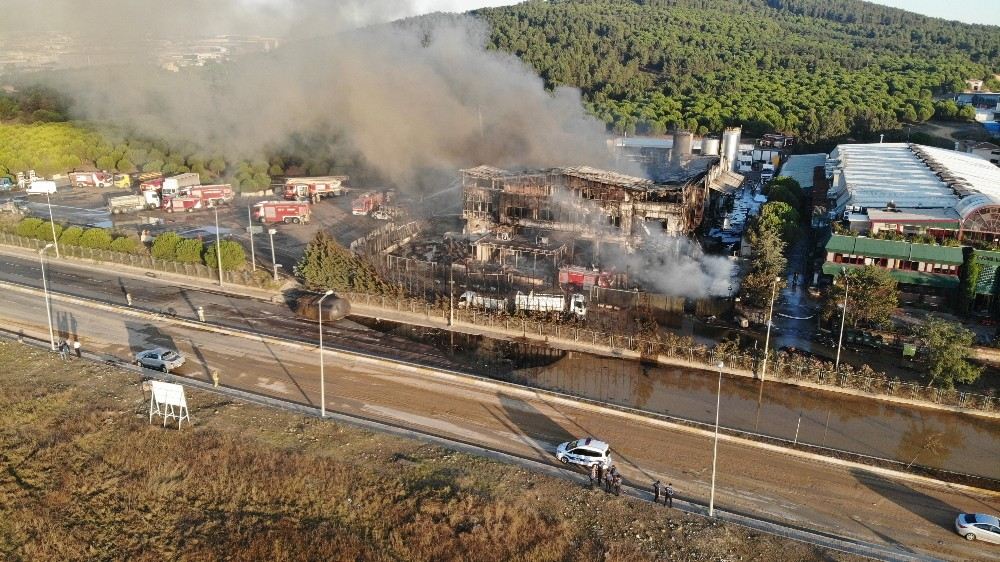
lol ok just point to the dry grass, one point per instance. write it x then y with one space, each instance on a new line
85 478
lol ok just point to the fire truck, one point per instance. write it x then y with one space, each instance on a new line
314 188
210 195
91 179
367 203
178 204
273 212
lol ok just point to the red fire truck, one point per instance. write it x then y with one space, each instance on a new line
272 212
178 204
91 179
314 188
367 203
210 195
584 277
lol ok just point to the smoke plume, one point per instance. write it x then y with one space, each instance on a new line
407 97
675 265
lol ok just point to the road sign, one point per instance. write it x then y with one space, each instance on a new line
255 229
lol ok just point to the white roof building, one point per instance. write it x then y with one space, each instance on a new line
911 176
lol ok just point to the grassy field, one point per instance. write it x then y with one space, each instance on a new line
85 477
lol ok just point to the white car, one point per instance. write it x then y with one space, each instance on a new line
978 526
587 452
160 359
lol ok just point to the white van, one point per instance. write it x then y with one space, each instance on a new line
42 186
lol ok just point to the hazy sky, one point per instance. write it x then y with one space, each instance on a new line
970 11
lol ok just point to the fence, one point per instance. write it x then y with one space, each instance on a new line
781 366
141 261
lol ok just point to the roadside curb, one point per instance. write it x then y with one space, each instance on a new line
493 385
631 493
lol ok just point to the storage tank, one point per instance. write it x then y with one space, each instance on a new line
710 147
682 147
731 145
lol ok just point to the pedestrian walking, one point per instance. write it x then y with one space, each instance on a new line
76 348
593 474
668 497
656 491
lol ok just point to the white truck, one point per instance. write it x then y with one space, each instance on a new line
471 299
575 304
42 186
173 184
767 172
128 204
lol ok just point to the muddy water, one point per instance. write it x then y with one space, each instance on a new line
955 442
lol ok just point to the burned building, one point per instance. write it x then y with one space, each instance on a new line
581 202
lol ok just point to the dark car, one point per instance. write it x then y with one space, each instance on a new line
334 307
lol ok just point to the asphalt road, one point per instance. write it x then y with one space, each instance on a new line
809 493
967 444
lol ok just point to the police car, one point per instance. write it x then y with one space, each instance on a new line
586 452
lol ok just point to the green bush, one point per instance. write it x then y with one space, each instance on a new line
190 251
95 238
71 236
28 227
165 246
44 231
125 244
233 256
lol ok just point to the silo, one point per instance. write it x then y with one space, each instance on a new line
710 147
731 145
682 147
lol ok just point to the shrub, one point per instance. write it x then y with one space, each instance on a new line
125 244
190 251
71 236
44 231
28 227
165 246
233 256
95 238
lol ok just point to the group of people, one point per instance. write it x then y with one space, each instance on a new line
65 347
610 477
612 481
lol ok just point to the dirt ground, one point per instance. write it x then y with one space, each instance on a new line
86 478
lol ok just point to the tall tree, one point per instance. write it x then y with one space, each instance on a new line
948 346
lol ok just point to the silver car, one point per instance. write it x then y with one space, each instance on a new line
160 359
978 526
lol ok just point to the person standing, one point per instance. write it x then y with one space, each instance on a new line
656 491
609 479
63 350
668 497
76 348
593 474
618 484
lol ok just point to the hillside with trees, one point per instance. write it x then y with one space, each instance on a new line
818 69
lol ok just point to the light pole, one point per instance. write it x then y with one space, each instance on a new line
52 223
45 288
322 375
274 262
253 256
715 448
218 244
843 318
767 343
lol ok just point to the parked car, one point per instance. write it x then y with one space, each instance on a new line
160 359
587 452
978 526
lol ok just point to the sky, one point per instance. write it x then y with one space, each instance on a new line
969 11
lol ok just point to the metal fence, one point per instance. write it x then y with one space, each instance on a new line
142 261
781 366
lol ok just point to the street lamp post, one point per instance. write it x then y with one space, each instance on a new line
715 447
843 318
253 256
274 262
322 374
218 244
45 288
52 223
767 343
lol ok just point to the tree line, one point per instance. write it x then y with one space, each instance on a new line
811 68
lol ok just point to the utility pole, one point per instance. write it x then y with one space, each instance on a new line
274 262
218 244
253 256
48 305
843 318
322 374
715 447
52 223
767 343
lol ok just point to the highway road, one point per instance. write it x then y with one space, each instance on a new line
969 444
842 500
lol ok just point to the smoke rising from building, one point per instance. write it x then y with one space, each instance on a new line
408 97
674 265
